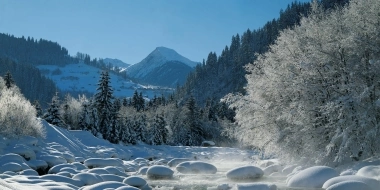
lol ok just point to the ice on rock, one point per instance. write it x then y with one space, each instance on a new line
135 181
175 161
374 184
88 178
313 177
196 167
370 171
255 186
350 185
245 173
159 172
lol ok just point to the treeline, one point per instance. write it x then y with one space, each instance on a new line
223 74
33 51
137 120
29 80
316 92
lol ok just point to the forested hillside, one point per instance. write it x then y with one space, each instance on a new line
223 74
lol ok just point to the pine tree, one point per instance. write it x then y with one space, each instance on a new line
52 115
192 121
103 103
8 80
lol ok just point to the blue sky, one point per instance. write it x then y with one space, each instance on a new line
130 29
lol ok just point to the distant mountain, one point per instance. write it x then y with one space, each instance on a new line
116 62
162 67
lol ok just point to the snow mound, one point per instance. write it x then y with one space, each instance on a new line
57 168
374 184
245 173
98 171
159 172
135 181
112 177
102 162
272 168
196 167
288 169
107 185
143 170
11 166
63 179
349 185
175 161
370 171
88 178
29 172
313 177
52 160
255 186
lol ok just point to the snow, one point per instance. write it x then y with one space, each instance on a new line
372 183
245 173
159 172
313 177
196 167
350 185
79 77
106 165
370 171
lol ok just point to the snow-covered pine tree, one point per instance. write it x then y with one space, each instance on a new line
192 121
139 127
104 105
52 115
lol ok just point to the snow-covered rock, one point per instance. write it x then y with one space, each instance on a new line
272 168
196 167
108 185
245 173
112 177
159 172
135 181
370 171
288 169
116 171
29 172
255 186
11 166
102 162
143 170
313 177
88 178
23 150
59 178
350 185
52 160
57 168
374 184
175 161
98 171
37 164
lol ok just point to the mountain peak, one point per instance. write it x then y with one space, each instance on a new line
171 55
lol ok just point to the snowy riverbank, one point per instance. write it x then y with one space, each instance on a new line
78 160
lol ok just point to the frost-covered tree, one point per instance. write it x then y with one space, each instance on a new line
17 115
37 106
53 115
316 92
158 131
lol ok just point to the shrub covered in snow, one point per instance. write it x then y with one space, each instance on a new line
17 115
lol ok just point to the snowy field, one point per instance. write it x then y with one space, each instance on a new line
84 78
78 160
